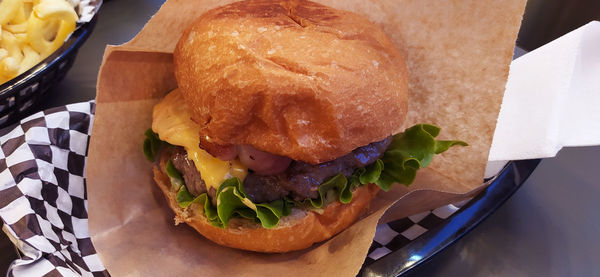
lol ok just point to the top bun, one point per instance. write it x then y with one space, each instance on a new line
293 78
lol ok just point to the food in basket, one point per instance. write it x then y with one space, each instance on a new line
31 31
285 124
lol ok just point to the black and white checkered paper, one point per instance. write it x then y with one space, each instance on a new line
43 200
394 235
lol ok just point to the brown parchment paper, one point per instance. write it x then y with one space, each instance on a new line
458 54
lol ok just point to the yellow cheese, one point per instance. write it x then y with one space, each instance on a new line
171 121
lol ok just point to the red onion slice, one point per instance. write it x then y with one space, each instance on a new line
263 163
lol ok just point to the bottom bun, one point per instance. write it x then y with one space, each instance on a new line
297 231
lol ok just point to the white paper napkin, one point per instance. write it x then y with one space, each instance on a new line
552 98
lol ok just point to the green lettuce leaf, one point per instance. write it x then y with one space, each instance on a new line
337 184
410 151
371 173
209 211
175 176
185 199
232 200
151 145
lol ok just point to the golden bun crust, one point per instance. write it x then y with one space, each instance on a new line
298 231
293 78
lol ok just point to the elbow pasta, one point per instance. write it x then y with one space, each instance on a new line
30 31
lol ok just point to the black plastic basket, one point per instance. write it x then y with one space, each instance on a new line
20 95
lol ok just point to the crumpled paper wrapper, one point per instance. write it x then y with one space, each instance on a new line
86 9
458 54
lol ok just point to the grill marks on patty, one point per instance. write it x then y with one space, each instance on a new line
299 181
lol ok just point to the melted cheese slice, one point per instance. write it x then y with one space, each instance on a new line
171 121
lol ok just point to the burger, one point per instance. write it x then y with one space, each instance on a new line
285 124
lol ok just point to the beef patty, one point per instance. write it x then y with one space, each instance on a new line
299 181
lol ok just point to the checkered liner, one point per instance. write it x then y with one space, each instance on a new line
396 234
43 200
